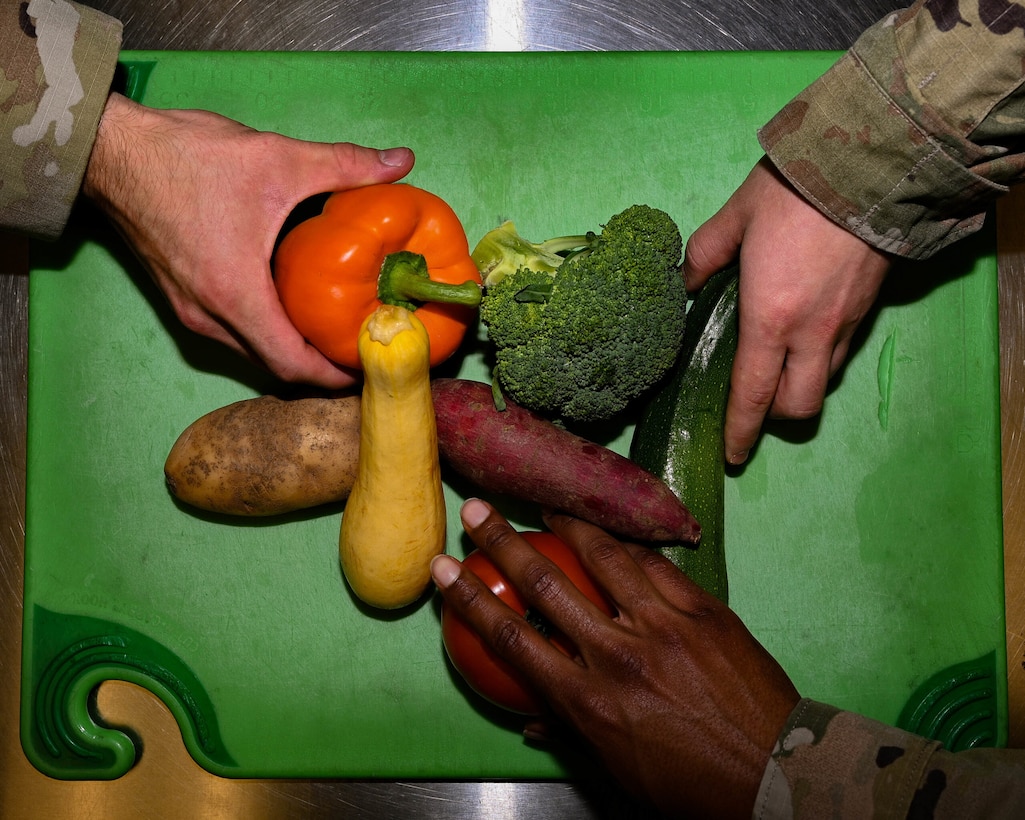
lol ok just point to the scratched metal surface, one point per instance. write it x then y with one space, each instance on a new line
495 25
166 783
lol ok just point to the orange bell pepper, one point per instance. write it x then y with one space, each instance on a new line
389 243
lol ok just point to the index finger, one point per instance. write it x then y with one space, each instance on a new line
541 583
507 633
753 384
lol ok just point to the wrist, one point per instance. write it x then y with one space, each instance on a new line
107 169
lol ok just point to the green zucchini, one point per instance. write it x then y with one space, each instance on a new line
679 436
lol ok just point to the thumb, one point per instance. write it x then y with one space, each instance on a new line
713 246
338 166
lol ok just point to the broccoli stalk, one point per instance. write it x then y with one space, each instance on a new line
583 325
503 251
405 281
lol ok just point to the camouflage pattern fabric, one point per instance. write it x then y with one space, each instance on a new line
905 141
57 60
910 136
831 763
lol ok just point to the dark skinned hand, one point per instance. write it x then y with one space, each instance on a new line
674 694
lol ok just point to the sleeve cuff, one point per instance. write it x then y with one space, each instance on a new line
828 762
872 169
76 50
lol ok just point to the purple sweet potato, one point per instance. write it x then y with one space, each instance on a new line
518 453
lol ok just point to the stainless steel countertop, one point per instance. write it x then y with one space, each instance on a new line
495 25
166 783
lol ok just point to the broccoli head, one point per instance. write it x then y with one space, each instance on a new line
583 325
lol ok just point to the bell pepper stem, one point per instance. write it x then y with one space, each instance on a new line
404 281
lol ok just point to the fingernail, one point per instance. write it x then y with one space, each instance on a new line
536 733
394 156
738 458
444 570
473 513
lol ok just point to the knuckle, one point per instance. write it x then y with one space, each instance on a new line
755 399
287 371
468 598
798 411
346 154
695 251
654 563
786 320
507 636
539 582
631 664
707 616
604 549
193 317
801 396
495 536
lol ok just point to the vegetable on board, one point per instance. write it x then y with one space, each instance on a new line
523 455
394 520
485 672
267 455
584 325
680 433
388 243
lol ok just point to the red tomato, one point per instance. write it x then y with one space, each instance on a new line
486 673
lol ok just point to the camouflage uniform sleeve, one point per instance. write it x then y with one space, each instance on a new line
57 60
831 763
909 137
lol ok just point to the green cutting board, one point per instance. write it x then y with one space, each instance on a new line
864 548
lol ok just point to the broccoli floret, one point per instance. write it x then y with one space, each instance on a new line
583 325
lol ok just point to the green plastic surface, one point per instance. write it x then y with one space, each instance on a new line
864 548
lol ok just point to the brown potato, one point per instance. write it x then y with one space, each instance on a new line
267 455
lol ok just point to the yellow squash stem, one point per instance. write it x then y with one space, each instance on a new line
394 519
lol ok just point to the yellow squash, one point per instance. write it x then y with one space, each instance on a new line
394 520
